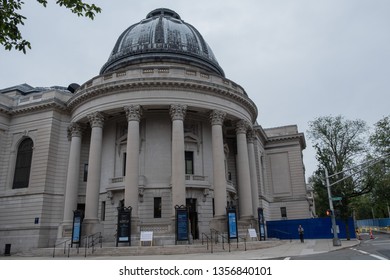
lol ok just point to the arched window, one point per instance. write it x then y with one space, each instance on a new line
23 164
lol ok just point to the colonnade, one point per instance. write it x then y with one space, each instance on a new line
246 168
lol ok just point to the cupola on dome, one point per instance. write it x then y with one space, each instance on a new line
162 36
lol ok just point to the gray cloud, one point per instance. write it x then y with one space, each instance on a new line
296 59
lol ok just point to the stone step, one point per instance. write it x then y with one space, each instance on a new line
109 250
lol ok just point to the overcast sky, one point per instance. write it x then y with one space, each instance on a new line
296 59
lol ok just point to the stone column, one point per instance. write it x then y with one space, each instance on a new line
72 179
252 166
133 114
178 113
91 221
219 174
244 179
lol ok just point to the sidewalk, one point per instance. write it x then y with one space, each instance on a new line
288 249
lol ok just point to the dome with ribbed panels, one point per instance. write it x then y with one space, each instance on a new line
163 37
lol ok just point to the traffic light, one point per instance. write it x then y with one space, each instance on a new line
328 212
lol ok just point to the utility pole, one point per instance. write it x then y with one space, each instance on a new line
362 166
336 240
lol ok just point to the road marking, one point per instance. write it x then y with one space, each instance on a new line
371 255
380 243
377 257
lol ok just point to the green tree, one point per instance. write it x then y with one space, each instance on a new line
339 145
380 139
362 206
380 142
320 193
11 20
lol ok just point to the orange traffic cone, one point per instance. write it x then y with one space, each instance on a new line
371 235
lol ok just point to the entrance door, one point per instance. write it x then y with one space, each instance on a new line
193 216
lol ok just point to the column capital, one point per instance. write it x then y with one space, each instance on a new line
133 112
96 119
75 130
251 136
242 127
178 111
217 117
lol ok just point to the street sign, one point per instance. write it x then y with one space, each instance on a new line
337 198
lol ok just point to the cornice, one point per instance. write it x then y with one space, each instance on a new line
4 109
158 83
261 134
37 106
285 138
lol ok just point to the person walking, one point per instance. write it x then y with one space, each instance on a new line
301 231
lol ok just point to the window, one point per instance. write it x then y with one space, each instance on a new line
157 207
23 164
283 212
124 164
103 211
229 176
213 207
85 172
189 159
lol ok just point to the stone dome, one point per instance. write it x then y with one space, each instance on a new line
162 36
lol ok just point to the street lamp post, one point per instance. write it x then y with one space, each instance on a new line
336 240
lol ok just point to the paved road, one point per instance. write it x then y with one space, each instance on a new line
368 249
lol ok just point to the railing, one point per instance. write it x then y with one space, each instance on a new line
215 238
191 177
208 238
90 241
117 180
280 234
63 242
218 234
243 238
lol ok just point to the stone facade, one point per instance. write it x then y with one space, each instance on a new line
151 135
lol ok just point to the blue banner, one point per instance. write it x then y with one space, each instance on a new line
232 224
76 229
182 225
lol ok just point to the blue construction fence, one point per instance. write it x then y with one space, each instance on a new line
315 228
382 223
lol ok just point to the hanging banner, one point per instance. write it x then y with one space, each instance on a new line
76 227
182 224
124 225
260 214
232 223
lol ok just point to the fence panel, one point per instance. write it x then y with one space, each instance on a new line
375 224
317 228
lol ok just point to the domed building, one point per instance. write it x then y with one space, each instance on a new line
159 130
